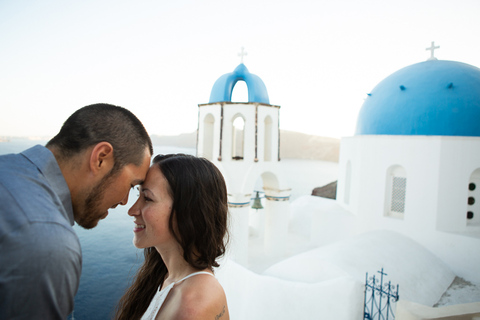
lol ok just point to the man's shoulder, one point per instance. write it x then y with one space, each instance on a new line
28 191
28 200
27 160
11 161
16 167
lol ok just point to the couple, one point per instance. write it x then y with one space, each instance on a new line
100 153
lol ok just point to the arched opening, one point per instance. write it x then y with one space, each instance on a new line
395 192
267 156
240 92
238 137
270 180
208 125
267 182
473 200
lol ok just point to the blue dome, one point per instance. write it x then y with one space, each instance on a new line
223 87
434 97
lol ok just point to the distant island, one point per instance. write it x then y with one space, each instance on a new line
293 145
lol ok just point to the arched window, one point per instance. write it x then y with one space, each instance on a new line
208 125
395 192
238 137
473 201
348 181
267 156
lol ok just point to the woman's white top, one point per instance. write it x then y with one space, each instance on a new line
161 295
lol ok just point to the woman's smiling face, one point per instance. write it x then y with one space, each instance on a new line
152 211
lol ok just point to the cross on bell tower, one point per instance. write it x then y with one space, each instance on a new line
432 49
241 54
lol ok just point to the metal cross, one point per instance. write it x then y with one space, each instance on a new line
242 54
382 273
432 49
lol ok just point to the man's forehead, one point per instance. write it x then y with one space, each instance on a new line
145 165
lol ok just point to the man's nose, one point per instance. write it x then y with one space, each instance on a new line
124 201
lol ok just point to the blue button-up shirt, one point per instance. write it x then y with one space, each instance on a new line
40 254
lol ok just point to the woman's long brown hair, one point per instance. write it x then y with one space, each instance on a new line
200 207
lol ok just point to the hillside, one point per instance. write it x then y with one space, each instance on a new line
293 145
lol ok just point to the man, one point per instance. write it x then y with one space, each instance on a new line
100 153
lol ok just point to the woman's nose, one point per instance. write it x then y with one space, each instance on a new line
134 210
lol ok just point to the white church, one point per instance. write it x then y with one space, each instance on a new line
408 199
242 139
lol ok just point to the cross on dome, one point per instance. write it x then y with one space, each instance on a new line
432 49
241 54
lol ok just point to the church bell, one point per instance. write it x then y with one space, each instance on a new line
257 204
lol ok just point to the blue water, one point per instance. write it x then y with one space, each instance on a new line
109 262
109 258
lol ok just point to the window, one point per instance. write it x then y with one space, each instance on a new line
395 192
399 185
238 137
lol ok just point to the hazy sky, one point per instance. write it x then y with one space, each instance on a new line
160 59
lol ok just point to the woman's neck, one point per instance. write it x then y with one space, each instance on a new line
178 268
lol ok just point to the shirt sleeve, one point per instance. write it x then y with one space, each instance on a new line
42 274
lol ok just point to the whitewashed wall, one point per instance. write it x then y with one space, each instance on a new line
438 170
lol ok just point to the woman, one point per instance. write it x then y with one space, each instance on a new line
181 220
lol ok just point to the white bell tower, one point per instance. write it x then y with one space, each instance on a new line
243 140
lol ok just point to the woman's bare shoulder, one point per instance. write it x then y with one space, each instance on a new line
202 297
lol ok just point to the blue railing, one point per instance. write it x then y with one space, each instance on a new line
379 298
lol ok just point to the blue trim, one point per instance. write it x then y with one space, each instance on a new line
239 204
277 198
223 87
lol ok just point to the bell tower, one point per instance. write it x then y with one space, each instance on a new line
243 140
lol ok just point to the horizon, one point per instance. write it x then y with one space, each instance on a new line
43 138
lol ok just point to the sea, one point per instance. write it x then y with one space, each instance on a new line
110 260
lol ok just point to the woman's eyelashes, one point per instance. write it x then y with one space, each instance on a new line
143 194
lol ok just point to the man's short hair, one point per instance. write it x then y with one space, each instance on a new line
102 122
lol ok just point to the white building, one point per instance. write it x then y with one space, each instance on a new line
413 165
242 140
408 200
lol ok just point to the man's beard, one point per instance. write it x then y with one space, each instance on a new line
91 214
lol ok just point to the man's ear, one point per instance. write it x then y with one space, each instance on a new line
101 158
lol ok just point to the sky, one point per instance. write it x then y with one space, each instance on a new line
160 59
